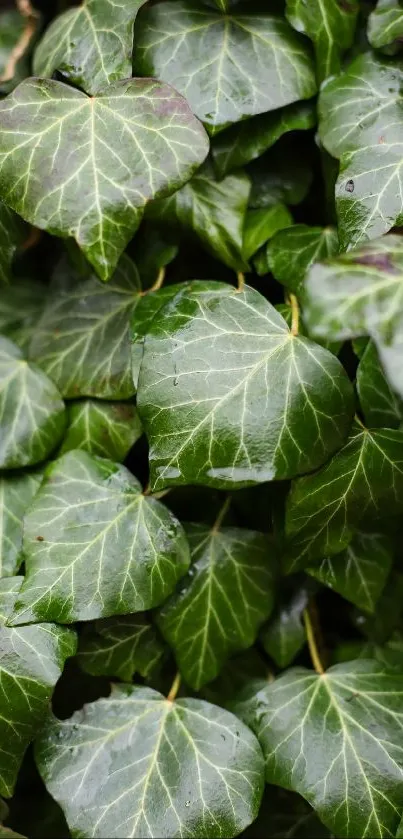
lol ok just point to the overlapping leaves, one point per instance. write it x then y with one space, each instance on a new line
16 493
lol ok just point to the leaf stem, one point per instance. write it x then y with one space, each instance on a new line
27 11
221 516
313 649
174 688
241 281
294 315
159 281
357 419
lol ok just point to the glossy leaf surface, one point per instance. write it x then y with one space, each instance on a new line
385 26
16 493
105 429
330 25
262 225
284 635
294 250
119 647
380 404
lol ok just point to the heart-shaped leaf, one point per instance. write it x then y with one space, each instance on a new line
95 546
360 115
361 482
222 391
32 413
331 27
174 768
16 493
385 26
106 429
31 661
360 572
134 141
262 225
254 63
120 647
82 339
325 736
90 45
220 604
381 406
12 231
292 251
361 293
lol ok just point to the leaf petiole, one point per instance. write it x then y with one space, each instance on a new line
313 649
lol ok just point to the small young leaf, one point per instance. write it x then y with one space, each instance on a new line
222 391
12 232
32 413
385 26
381 407
363 481
294 250
360 293
326 736
139 128
120 647
105 429
31 661
90 45
253 64
360 572
262 225
331 27
95 546
16 493
174 768
218 607
284 636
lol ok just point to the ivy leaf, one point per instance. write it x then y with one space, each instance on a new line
105 429
139 128
360 113
218 607
16 493
95 546
82 340
248 140
90 45
360 293
119 647
20 310
281 176
284 635
222 391
293 250
385 26
12 232
363 481
31 661
262 225
331 27
153 249
254 63
14 48
360 572
327 735
213 210
33 415
380 405
195 768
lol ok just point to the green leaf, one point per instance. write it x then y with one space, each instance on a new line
213 210
13 67
253 64
90 45
20 310
218 607
284 636
152 251
249 139
360 293
362 482
331 27
95 546
360 113
281 176
285 815
16 493
139 130
106 429
335 739
120 647
262 225
385 26
360 572
31 661
32 413
292 251
82 340
222 390
380 405
380 626
174 768
12 232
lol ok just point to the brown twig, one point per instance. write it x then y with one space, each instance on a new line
27 11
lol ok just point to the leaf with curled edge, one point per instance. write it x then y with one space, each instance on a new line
228 66
336 739
361 483
31 662
95 546
222 390
90 45
136 140
182 768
